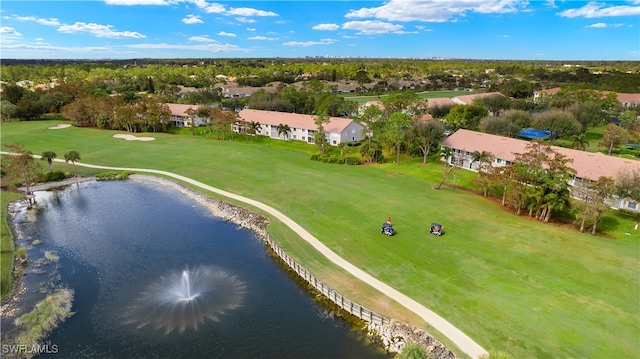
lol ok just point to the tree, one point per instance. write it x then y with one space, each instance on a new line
22 164
589 114
396 129
450 163
73 157
613 136
192 113
284 129
593 196
205 112
407 102
493 103
579 141
485 170
7 110
48 156
319 136
627 184
425 134
501 126
371 116
254 127
12 93
465 116
544 173
560 123
129 97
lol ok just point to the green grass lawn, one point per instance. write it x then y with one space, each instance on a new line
427 94
511 283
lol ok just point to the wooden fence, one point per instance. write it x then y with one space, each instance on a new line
347 305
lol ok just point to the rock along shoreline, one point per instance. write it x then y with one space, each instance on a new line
393 335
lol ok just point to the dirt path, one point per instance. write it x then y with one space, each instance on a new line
464 342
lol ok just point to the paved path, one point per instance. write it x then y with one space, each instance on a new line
464 343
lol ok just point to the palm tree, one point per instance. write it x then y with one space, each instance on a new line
72 156
484 158
580 141
284 129
448 155
129 97
192 114
255 127
49 156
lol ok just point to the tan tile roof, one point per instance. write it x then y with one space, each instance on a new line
468 99
293 120
622 97
587 164
440 101
179 109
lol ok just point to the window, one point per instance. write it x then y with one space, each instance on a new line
632 205
498 160
303 138
334 142
294 137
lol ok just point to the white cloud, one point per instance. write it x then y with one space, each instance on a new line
210 7
98 30
251 29
327 27
369 27
229 34
310 43
596 10
245 20
245 11
201 39
192 19
215 48
9 31
262 38
42 21
504 36
601 25
435 11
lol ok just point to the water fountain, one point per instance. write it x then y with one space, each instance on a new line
186 299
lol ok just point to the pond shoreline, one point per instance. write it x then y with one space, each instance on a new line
393 335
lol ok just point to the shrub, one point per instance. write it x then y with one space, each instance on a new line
112 176
413 351
326 158
53 176
106 176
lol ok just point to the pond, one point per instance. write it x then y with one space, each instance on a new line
156 275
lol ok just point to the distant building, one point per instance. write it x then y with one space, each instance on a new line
589 166
302 127
180 117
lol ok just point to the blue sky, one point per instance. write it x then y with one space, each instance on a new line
470 29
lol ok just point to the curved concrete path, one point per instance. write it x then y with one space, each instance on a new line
464 342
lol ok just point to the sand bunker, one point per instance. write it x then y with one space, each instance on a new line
59 126
133 138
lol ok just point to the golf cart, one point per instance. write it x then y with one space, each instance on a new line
436 229
387 228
